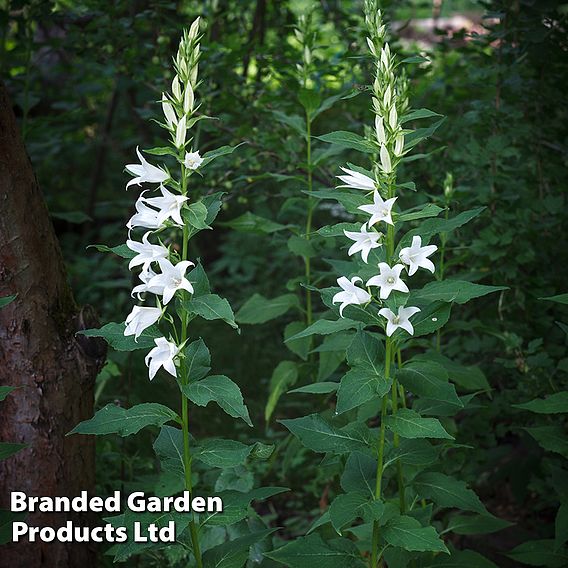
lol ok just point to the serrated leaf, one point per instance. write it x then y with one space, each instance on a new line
312 551
121 250
114 419
554 404
429 210
258 309
317 388
197 360
301 246
195 215
431 318
7 300
551 438
319 436
539 553
5 391
220 389
448 492
409 424
208 157
235 553
347 507
360 473
407 533
358 386
559 298
169 449
348 140
476 524
221 453
113 334
212 307
417 114
8 449
300 347
250 223
458 291
462 559
326 327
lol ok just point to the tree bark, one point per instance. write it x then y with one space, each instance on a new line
40 354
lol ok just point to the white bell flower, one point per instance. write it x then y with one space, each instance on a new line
169 206
388 280
355 180
351 294
145 172
144 217
145 276
380 210
139 319
146 252
365 241
416 256
192 160
162 356
171 279
401 319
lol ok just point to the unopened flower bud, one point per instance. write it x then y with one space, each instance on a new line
393 118
449 186
176 90
181 131
169 113
188 99
194 29
371 47
399 144
387 97
380 129
386 164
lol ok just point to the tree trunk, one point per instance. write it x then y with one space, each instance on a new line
40 354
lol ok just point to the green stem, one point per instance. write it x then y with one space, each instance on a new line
187 459
309 315
375 555
443 239
396 443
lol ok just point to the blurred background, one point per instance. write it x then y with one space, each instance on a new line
85 78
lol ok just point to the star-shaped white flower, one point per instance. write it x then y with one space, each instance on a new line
416 256
145 276
351 294
388 280
141 318
145 172
365 241
355 180
171 279
402 319
146 252
192 160
144 217
169 206
162 356
380 210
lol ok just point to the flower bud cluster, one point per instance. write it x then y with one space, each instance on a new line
163 274
306 34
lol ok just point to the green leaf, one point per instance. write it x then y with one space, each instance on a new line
360 473
430 380
197 360
6 520
220 389
293 121
561 526
539 553
358 386
114 419
199 280
250 223
317 388
5 391
326 327
431 318
347 507
462 559
236 505
235 553
310 100
458 291
319 436
312 551
300 347
217 153
417 114
476 524
416 136
121 250
284 376
74 217
301 246
221 453
195 215
349 140
410 424
448 492
551 438
113 334
258 309
8 449
559 299
416 452
469 378
169 449
429 210
212 307
407 533
7 300
162 151
554 404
